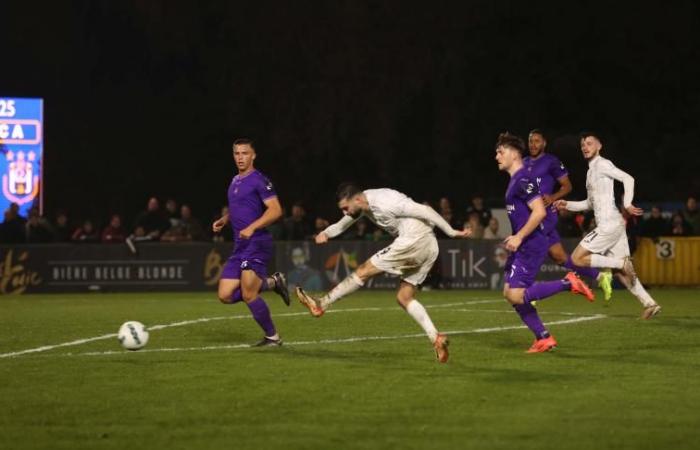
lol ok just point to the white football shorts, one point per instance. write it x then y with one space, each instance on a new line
607 242
409 257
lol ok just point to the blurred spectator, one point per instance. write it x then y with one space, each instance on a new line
13 228
38 228
474 223
171 212
175 234
226 233
654 225
691 215
150 224
477 206
679 227
493 231
85 233
114 232
61 228
296 228
192 226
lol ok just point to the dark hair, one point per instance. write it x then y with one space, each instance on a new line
510 140
244 141
537 131
347 190
585 134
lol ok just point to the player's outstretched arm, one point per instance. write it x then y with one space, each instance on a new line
409 208
335 229
583 205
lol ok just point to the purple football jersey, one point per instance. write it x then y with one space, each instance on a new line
246 196
521 191
546 171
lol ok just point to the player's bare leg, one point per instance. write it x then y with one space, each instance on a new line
227 287
353 282
406 298
250 289
229 290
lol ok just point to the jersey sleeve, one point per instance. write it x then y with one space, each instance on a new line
336 229
265 189
527 190
557 169
409 208
609 169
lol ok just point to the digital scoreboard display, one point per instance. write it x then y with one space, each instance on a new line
21 153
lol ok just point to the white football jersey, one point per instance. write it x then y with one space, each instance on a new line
396 214
390 211
600 181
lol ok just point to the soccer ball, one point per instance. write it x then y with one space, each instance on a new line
133 335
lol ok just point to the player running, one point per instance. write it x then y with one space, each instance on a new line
411 255
253 205
548 171
528 245
606 246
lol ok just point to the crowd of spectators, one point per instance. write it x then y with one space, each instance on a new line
176 223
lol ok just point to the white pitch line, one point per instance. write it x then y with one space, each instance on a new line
334 341
209 319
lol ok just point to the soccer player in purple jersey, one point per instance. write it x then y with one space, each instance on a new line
528 245
253 205
548 171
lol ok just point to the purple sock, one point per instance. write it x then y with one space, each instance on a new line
544 289
261 314
590 272
528 314
237 296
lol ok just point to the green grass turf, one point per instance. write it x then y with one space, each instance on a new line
616 383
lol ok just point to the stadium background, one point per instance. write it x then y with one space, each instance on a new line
386 93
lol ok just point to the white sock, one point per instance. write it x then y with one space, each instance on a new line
642 294
606 262
345 287
418 312
638 291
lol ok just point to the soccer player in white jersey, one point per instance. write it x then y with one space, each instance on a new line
606 246
411 255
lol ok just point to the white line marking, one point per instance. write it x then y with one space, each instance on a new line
333 341
246 316
209 319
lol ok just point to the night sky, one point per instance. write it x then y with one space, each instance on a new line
145 97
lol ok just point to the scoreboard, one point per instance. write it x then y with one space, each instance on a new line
21 153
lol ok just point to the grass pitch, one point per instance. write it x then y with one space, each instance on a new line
361 377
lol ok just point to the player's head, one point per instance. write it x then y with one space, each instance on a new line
590 144
509 150
243 154
536 142
349 199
